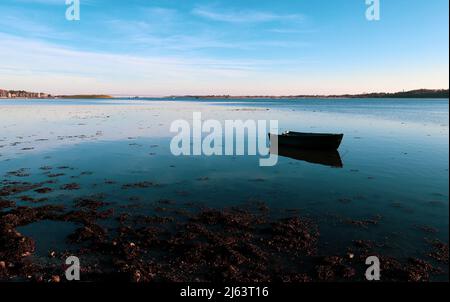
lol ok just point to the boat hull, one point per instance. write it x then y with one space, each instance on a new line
312 141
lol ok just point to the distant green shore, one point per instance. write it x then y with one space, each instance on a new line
82 96
412 94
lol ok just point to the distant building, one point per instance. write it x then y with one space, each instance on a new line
11 94
44 95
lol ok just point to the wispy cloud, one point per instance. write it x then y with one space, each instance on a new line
34 23
155 36
292 31
47 2
89 72
244 16
161 12
53 2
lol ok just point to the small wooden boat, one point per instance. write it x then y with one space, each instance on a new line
314 141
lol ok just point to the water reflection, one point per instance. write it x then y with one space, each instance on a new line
322 157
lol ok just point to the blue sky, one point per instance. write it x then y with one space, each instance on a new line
166 47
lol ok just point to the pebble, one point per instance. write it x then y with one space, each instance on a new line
56 279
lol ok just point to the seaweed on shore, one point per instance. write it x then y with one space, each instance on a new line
440 251
70 186
142 184
190 242
11 188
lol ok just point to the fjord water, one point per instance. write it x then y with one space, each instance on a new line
395 156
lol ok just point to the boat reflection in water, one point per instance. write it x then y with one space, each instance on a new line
329 158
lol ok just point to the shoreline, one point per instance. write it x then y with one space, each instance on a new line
234 98
412 94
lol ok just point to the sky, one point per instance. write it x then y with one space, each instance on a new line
235 47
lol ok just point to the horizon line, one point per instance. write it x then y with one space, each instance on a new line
105 95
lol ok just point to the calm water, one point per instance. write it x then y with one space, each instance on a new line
395 156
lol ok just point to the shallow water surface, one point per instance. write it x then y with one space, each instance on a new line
394 163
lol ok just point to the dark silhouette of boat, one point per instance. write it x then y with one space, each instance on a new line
311 141
329 158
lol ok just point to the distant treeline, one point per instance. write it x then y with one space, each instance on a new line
419 93
85 96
